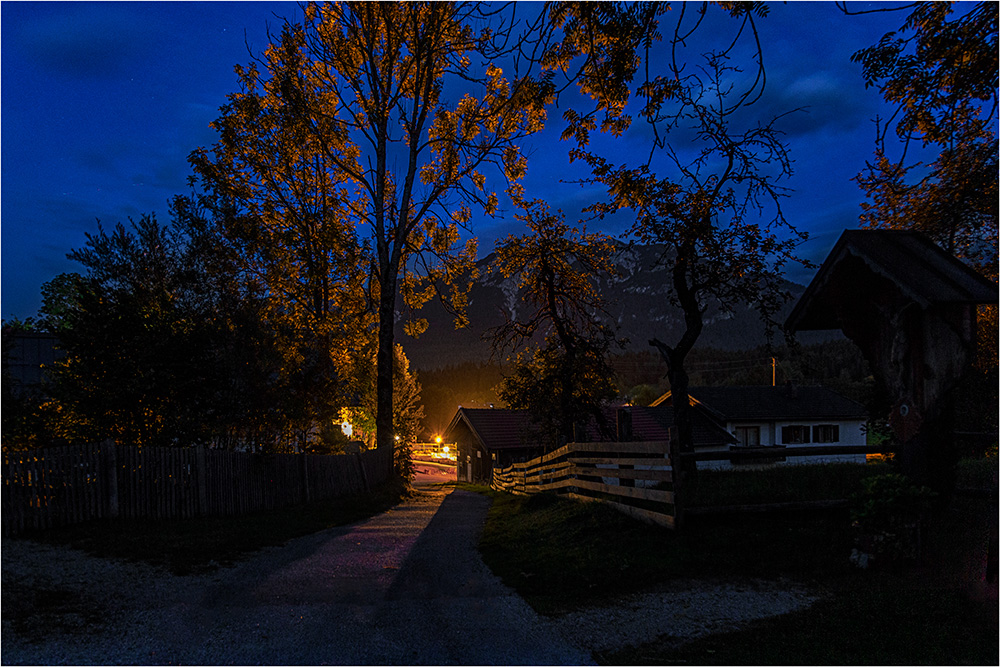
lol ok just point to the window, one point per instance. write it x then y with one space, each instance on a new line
748 436
794 435
826 433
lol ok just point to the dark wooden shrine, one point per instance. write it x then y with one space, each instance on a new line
911 308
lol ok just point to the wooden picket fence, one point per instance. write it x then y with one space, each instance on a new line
67 485
623 474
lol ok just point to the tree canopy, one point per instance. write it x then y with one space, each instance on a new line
373 123
565 379
935 164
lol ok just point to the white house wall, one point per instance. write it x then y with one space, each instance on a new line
851 432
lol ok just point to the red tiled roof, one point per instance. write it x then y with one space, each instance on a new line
506 429
653 423
496 428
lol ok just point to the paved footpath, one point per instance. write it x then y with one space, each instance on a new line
404 587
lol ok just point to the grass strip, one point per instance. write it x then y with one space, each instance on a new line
561 554
780 484
191 546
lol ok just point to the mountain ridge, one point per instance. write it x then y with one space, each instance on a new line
637 303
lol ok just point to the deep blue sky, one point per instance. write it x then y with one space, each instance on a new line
103 102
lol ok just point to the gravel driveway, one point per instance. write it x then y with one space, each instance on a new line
404 587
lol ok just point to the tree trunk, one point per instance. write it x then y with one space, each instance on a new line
675 356
679 399
383 365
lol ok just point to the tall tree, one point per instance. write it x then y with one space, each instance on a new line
135 341
935 163
717 209
386 118
557 269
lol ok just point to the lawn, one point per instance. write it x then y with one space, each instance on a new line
561 555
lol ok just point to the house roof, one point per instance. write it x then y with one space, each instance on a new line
772 403
919 268
507 429
495 428
654 423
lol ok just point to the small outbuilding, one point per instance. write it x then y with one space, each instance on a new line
911 308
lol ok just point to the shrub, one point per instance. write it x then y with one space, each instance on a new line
887 517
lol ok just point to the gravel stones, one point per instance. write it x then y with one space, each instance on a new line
683 611
404 587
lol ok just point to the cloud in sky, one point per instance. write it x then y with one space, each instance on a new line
105 100
84 39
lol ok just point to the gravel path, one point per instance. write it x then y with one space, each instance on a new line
404 587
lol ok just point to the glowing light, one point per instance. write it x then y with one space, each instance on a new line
347 429
438 440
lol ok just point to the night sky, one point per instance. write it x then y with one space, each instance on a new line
103 102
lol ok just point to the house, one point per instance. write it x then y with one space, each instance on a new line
786 416
488 438
485 437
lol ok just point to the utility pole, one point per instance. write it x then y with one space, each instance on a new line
773 376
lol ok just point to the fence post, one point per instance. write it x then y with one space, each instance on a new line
677 476
306 495
624 424
364 475
110 456
199 465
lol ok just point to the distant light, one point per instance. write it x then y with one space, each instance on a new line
347 429
438 440
397 438
446 449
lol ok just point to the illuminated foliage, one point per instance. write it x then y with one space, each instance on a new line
714 203
935 166
939 72
377 123
408 412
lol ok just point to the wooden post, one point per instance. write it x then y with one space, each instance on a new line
676 475
199 471
306 495
624 424
364 475
110 456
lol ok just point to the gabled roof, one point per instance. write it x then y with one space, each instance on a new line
507 429
920 269
496 428
654 423
772 403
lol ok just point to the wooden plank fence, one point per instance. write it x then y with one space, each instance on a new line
639 478
66 485
585 470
